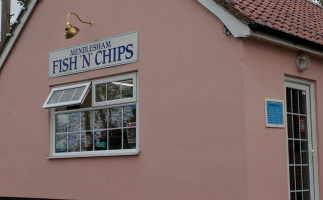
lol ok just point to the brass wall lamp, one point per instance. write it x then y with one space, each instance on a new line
71 31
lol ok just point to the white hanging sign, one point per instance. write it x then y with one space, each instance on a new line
107 52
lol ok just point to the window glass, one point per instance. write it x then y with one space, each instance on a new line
87 130
129 116
96 130
100 138
126 88
55 97
78 93
67 95
86 141
129 138
73 142
101 92
114 90
115 139
115 117
60 142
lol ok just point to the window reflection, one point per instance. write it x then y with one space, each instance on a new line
86 120
96 130
100 119
73 142
61 123
129 138
61 143
129 116
101 92
74 122
114 90
115 117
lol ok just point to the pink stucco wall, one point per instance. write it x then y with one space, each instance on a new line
201 116
265 68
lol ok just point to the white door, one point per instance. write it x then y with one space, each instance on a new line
301 141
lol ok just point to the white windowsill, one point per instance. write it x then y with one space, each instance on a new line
87 155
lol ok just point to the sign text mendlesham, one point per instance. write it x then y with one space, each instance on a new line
117 50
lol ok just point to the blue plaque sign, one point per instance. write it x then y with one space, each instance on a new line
274 113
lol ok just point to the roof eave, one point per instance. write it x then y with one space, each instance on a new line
240 27
237 27
287 43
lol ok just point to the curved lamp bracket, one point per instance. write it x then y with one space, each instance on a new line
71 31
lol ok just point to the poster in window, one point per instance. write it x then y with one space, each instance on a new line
302 124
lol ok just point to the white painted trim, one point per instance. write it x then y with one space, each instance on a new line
137 114
286 43
16 33
299 81
235 26
94 154
314 142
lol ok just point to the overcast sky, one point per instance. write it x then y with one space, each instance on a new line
15 9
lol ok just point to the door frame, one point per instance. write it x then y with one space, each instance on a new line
311 122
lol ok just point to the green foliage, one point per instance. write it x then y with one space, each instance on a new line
321 2
23 3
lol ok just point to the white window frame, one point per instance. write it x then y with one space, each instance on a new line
116 103
112 79
68 103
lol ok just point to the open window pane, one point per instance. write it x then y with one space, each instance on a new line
78 93
55 97
67 95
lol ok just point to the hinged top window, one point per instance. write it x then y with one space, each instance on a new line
67 95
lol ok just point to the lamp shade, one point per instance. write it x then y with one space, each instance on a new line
70 31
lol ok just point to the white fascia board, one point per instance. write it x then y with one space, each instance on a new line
17 31
286 43
234 25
